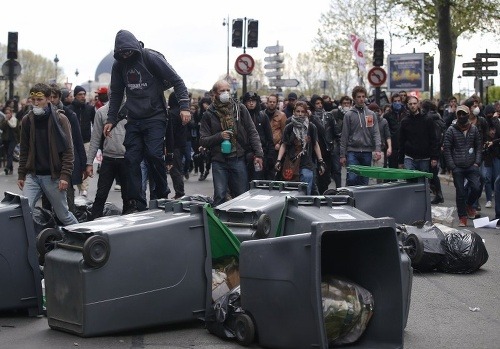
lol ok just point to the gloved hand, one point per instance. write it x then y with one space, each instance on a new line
321 166
278 165
169 158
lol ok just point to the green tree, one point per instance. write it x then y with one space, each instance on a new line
445 21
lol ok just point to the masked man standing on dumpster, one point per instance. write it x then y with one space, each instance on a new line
140 75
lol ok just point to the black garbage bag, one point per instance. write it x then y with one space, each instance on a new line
111 209
198 198
347 309
465 252
43 219
83 209
220 318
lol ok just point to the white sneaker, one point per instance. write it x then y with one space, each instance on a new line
118 187
488 204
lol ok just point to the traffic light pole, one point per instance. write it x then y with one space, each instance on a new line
11 78
245 31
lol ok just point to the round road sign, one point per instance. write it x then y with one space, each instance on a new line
244 64
377 76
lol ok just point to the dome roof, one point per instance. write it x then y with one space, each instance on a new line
105 66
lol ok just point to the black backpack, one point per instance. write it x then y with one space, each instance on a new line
146 54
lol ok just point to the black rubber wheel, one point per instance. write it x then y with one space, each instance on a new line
45 241
263 226
414 246
96 251
330 191
244 329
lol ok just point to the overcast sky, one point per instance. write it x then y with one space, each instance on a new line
190 33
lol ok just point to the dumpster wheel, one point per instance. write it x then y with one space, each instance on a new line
244 329
45 242
263 226
414 246
96 251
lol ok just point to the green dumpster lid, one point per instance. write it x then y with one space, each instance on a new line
387 173
223 242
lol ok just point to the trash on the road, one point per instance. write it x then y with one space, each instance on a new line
347 309
484 222
474 309
465 252
443 215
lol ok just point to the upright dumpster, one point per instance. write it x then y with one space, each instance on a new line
20 277
407 198
134 271
281 277
256 213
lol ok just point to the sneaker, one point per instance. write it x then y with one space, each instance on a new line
84 193
462 222
6 170
131 207
437 200
186 175
488 204
118 187
471 212
203 176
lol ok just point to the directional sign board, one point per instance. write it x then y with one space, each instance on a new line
479 64
274 66
3 77
479 73
276 58
488 55
377 76
244 64
273 49
274 73
284 82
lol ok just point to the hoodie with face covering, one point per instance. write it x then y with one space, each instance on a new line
141 82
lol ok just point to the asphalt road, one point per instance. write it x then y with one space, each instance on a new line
440 313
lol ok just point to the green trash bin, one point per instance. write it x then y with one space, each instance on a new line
387 173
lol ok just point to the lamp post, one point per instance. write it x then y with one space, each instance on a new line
459 78
76 73
226 23
56 60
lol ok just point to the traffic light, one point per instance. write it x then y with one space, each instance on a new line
378 52
428 64
12 46
253 33
237 32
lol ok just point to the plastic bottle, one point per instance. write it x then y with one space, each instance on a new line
225 146
43 295
257 166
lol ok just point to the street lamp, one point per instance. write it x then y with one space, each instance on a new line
56 60
226 23
459 78
76 73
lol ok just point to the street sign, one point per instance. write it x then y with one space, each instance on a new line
284 82
273 49
274 66
488 55
276 58
3 77
479 73
244 64
377 76
274 73
479 64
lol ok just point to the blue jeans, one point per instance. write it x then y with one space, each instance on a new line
144 140
466 197
490 173
358 158
35 185
307 176
233 174
419 165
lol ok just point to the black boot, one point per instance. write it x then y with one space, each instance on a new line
203 176
438 199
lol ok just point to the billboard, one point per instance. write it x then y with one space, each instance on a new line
406 72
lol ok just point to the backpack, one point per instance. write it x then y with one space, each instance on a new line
146 54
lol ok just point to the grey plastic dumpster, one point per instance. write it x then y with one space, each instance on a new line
256 213
303 211
20 277
285 301
407 200
127 272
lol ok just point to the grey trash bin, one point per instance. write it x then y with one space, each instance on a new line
256 213
20 277
128 272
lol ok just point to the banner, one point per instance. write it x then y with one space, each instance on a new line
406 72
358 49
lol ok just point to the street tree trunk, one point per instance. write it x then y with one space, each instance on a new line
447 44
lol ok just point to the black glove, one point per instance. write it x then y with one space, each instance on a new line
169 158
278 165
321 166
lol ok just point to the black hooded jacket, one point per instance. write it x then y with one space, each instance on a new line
141 82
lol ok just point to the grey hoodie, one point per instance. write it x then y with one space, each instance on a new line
356 136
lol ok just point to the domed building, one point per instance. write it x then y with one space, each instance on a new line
103 71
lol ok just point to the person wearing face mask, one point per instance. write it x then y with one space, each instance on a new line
228 131
462 151
345 104
394 117
141 76
46 154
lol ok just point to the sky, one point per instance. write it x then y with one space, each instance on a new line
190 34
